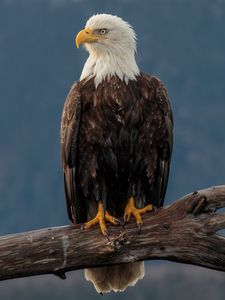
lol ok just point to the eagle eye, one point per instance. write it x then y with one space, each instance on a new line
103 31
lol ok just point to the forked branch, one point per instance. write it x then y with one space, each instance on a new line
185 231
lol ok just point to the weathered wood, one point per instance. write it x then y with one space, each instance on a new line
185 231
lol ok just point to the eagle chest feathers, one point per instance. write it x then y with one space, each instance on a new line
110 116
122 137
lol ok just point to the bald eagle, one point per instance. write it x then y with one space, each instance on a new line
116 140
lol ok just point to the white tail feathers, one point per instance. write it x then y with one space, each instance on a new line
115 278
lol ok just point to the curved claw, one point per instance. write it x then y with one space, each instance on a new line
107 236
111 219
139 225
126 217
105 233
118 222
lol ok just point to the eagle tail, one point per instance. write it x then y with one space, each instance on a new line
115 278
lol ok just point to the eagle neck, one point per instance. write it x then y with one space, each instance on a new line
106 64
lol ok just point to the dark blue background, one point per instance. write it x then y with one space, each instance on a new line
180 41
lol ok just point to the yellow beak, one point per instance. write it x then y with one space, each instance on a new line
86 36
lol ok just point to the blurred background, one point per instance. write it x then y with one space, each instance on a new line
180 41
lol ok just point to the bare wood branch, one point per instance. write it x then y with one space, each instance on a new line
182 232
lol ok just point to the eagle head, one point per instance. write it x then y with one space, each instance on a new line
111 43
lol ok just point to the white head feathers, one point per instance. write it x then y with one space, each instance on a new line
112 55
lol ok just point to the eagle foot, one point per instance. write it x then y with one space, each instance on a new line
130 209
101 218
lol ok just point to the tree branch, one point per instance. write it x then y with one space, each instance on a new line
185 231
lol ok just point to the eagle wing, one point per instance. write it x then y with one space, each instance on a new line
159 131
70 124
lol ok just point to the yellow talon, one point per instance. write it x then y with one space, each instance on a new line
130 209
101 218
